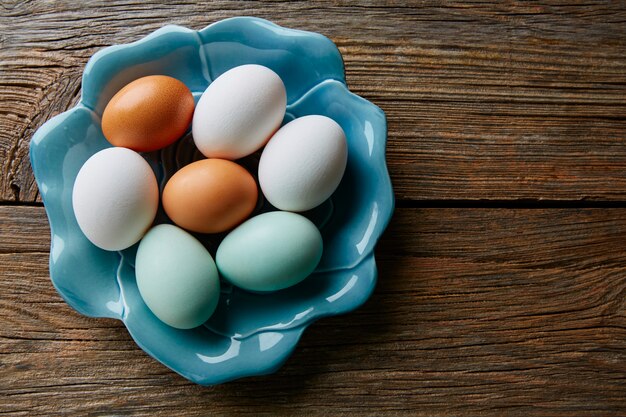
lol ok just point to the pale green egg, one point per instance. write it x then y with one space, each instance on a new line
270 252
177 277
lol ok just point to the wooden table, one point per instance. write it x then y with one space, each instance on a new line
503 272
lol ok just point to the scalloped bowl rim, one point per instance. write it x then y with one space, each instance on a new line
389 199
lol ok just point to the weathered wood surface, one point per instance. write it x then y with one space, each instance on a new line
477 312
485 100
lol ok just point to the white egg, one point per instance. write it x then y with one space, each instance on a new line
238 112
115 198
303 163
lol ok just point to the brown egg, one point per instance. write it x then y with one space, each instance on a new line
210 196
148 114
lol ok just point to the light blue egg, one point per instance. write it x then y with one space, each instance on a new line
177 277
270 252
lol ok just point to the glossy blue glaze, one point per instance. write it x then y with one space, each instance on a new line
249 334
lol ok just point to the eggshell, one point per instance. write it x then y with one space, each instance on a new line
210 196
270 252
238 112
176 277
303 163
115 198
148 114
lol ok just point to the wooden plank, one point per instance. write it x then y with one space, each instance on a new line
478 312
487 100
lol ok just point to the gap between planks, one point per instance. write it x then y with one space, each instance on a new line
454 203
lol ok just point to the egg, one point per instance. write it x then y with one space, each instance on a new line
238 112
115 198
303 163
148 114
270 252
176 277
210 196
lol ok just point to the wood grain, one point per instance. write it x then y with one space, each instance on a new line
477 312
485 100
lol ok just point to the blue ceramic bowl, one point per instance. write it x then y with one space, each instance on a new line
250 334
